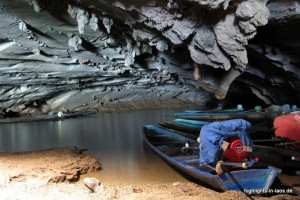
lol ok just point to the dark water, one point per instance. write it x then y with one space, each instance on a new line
116 139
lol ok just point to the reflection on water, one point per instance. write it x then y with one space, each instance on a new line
115 139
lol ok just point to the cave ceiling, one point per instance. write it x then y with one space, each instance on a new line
82 55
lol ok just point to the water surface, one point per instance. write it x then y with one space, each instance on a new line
115 139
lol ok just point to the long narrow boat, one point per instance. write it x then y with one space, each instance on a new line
249 116
182 128
216 109
264 148
283 158
220 110
45 117
183 133
185 125
169 145
197 123
193 127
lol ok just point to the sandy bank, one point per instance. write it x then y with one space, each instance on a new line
53 174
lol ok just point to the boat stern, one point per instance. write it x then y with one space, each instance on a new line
250 181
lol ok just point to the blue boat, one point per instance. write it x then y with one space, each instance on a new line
264 149
194 123
190 129
186 125
256 179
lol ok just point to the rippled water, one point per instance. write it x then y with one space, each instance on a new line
116 139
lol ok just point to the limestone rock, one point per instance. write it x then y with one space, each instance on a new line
38 5
282 11
93 55
204 49
232 40
108 23
82 19
212 4
93 184
94 22
75 42
255 13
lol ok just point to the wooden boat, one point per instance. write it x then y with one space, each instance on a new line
191 127
249 116
185 125
185 134
182 128
45 117
288 159
197 123
219 107
265 146
255 179
217 110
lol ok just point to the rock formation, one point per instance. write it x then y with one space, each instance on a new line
76 55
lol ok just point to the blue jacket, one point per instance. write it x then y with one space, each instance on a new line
212 136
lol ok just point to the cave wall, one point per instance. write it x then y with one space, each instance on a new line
90 55
273 71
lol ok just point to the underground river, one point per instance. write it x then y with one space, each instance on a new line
115 139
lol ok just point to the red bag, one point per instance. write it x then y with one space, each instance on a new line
288 127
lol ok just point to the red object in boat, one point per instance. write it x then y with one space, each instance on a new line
256 159
235 152
288 127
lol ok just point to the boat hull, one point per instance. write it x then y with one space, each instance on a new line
249 116
252 181
45 118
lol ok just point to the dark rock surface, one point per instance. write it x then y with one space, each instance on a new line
97 55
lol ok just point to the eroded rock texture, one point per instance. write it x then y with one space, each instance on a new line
83 55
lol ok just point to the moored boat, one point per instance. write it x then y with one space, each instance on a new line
182 128
46 117
265 146
219 109
193 127
249 116
186 125
216 110
284 158
255 179
197 123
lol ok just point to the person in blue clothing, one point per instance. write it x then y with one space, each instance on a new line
213 135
